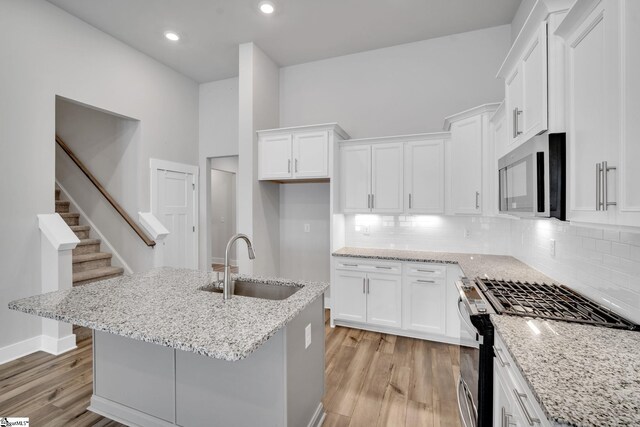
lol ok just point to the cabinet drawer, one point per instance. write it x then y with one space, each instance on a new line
435 271
368 266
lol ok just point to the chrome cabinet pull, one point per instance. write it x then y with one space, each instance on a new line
409 200
295 167
530 419
368 201
372 201
383 268
498 352
289 166
364 281
350 265
516 113
425 281
605 185
426 271
598 187
477 200
506 418
367 285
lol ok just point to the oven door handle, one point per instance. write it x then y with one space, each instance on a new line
462 418
470 328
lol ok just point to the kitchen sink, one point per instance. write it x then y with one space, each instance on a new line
257 290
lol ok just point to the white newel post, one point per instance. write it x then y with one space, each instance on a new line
57 242
158 232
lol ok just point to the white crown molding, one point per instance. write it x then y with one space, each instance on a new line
541 10
480 109
398 138
575 16
308 128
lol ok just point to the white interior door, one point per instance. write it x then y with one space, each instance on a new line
175 208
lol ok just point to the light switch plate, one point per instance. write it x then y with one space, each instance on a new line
307 336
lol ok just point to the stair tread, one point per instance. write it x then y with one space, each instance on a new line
62 202
88 242
79 227
96 273
91 257
69 215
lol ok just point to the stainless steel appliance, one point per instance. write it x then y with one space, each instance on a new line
532 178
481 297
475 385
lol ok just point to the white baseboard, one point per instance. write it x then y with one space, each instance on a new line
20 349
58 346
119 260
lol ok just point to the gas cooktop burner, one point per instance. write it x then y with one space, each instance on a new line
548 302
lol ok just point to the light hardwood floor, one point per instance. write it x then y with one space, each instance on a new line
371 380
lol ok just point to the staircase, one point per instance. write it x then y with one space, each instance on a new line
89 264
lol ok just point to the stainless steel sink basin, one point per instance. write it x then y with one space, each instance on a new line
257 290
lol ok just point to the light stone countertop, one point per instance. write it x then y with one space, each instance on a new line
580 375
166 306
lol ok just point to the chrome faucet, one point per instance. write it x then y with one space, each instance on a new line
226 289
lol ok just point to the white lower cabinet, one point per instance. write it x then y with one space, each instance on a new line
409 298
384 299
514 404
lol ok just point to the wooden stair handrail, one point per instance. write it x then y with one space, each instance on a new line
147 240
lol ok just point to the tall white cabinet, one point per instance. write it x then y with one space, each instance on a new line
602 42
471 154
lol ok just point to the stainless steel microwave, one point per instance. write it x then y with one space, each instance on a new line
532 178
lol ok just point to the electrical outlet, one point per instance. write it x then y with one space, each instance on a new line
307 228
467 233
552 248
221 219
365 230
307 336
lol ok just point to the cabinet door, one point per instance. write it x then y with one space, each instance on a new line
311 155
534 86
387 177
504 410
274 155
424 305
424 176
466 166
349 298
355 178
590 136
630 138
384 300
513 101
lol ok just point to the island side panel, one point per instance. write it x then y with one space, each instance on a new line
135 374
305 366
249 392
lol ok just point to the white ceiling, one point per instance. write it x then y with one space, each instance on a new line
299 31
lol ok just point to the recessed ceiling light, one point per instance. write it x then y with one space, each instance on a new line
171 35
267 7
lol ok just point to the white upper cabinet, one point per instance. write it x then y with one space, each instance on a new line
355 178
602 64
297 154
310 154
535 58
386 178
393 175
424 176
466 159
274 152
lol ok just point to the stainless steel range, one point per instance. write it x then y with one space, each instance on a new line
481 297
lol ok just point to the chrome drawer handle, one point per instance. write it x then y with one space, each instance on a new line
426 281
498 352
384 268
350 265
519 396
426 271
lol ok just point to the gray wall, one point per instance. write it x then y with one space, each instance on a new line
223 212
47 52
304 256
398 90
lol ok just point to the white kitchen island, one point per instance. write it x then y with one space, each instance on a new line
168 353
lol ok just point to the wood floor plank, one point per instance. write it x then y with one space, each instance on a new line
370 379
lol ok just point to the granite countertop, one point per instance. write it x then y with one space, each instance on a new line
473 265
166 306
580 375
